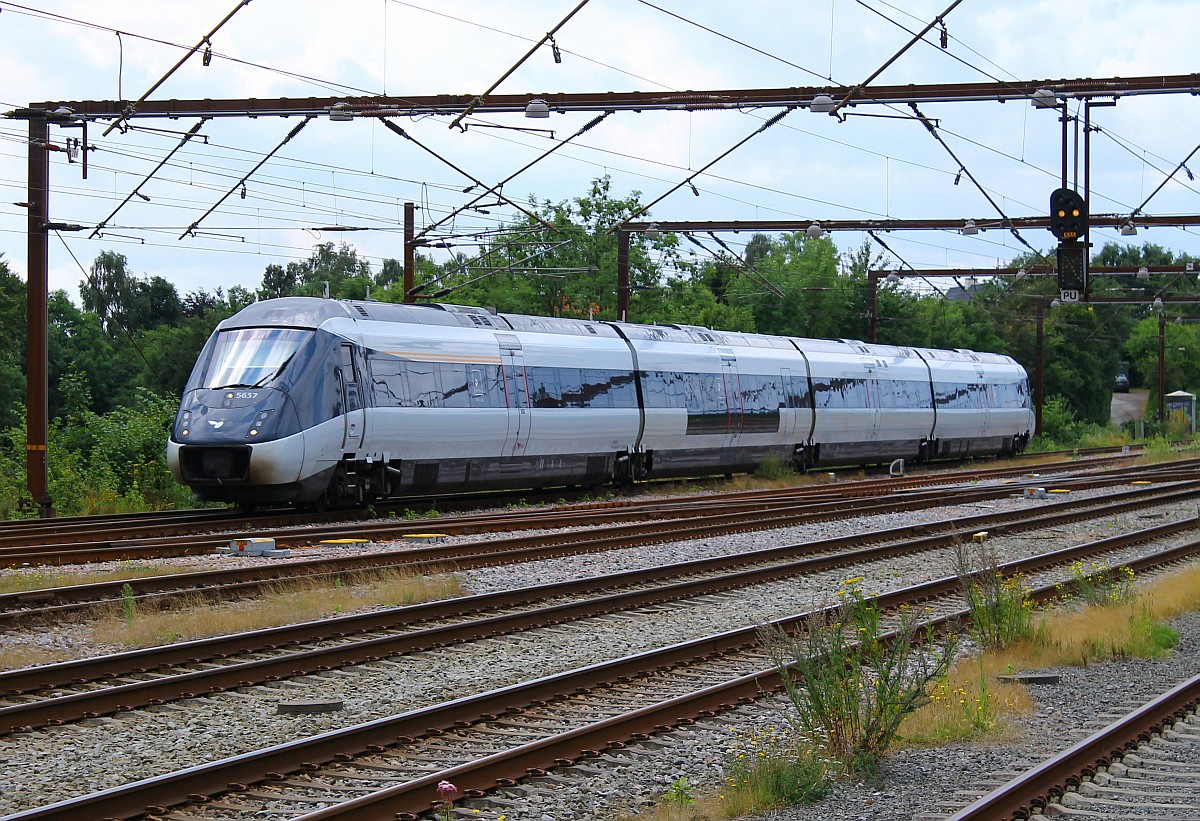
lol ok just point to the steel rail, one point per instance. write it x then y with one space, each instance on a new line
1033 790
16 607
199 783
948 529
89 704
23 542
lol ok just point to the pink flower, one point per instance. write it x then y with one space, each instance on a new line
445 788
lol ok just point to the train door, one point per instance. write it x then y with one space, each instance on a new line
353 414
877 382
985 402
516 393
733 397
787 410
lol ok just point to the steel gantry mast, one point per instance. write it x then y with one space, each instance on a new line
816 98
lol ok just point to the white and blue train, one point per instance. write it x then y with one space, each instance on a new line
321 402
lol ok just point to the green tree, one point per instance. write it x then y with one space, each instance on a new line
126 303
1181 360
12 357
807 292
278 281
566 269
347 274
78 343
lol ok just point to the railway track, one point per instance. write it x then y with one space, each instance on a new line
182 533
288 783
57 693
1146 765
388 768
596 530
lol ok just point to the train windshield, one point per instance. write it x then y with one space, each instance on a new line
251 357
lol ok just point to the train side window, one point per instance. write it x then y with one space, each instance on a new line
350 386
959 395
654 389
666 389
544 387
704 393
595 389
797 391
759 393
837 392
620 389
423 389
492 390
453 378
571 382
886 390
477 387
387 382
949 394
903 393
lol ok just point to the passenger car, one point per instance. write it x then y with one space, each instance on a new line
321 401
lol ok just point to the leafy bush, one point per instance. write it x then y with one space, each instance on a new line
1000 607
851 685
99 463
774 468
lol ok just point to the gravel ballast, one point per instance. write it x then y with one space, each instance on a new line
45 766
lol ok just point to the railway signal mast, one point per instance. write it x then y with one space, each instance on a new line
1069 222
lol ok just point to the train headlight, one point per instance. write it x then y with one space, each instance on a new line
259 421
185 422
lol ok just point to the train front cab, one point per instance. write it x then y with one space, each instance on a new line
266 415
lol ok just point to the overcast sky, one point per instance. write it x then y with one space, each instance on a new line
359 174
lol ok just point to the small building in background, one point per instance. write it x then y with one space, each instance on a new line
1180 407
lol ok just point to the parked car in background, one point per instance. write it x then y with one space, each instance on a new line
1121 384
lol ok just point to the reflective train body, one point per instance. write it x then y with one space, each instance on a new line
318 401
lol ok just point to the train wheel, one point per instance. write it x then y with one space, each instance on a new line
332 495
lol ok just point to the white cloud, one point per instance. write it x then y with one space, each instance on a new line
361 173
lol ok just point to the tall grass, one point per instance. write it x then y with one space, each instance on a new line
1001 611
785 765
286 603
130 624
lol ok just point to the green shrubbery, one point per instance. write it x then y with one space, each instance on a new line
99 463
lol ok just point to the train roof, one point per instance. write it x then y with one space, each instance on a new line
312 312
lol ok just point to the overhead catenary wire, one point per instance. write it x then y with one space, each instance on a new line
932 129
687 181
549 35
491 189
138 188
740 262
247 175
383 228
500 185
1166 179
854 90
904 262
132 107
91 280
